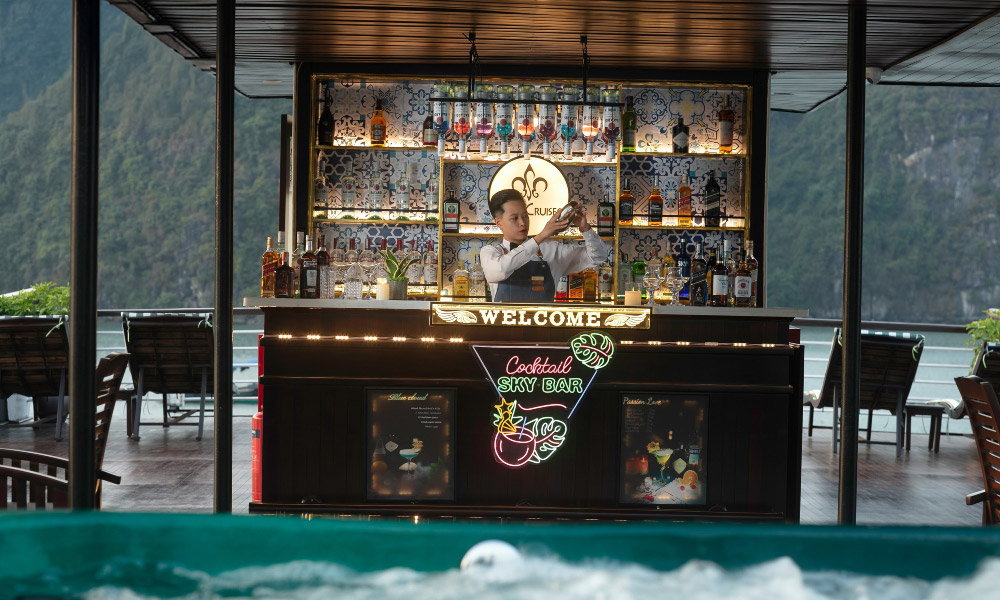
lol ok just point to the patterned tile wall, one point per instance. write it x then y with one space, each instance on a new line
644 171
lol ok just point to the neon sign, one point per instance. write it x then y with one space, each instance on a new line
540 388
553 315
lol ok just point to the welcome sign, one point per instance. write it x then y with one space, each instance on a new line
539 389
540 182
554 315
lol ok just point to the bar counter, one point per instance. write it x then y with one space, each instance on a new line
716 391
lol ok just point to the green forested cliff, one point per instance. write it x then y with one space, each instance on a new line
931 180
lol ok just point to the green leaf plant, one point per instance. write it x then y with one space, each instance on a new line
41 299
396 267
984 330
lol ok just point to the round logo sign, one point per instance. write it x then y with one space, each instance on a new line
540 182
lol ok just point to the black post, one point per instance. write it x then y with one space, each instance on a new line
853 212
225 61
83 254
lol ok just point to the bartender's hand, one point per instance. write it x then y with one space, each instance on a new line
580 220
552 227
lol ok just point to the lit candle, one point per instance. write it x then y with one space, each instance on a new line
633 298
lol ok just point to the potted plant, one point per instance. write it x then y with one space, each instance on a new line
395 268
984 330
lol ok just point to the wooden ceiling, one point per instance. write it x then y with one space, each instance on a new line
783 36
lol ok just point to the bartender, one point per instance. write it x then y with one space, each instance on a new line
520 269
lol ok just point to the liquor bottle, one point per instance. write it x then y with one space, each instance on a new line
699 278
606 217
381 275
375 192
477 282
325 269
729 257
569 120
664 294
655 206
612 124
430 265
353 286
442 114
754 267
460 282
720 281
415 270
431 196
547 117
694 146
712 259
300 241
680 136
713 201
605 283
626 204
366 260
683 260
320 196
727 117
348 187
484 114
590 122
653 266
324 129
461 123
505 117
526 116
280 248
377 131
401 199
684 202
268 265
742 285
428 136
451 212
638 272
576 287
284 278
562 289
309 272
589 285
628 125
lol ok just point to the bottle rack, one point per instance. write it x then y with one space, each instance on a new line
407 103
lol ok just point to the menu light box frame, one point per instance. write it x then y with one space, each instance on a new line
662 460
410 444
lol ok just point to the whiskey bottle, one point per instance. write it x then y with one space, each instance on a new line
309 272
415 270
713 201
683 260
699 278
606 217
720 282
377 131
325 270
430 265
451 212
680 136
628 125
742 285
325 127
589 285
268 265
300 241
727 117
664 294
729 257
284 277
626 204
754 266
576 287
684 202
428 136
460 282
655 206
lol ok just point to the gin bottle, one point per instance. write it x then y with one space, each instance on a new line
477 282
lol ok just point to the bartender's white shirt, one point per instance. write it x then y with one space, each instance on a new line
563 259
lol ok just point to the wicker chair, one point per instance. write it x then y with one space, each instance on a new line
34 361
169 355
889 363
30 480
984 411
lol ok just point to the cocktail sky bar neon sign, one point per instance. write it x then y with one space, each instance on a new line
540 388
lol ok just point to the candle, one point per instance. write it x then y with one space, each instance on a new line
633 298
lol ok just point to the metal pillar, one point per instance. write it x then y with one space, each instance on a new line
83 254
853 212
225 60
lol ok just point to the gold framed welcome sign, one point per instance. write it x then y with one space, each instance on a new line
541 183
541 315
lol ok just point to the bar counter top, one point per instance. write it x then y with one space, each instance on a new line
423 305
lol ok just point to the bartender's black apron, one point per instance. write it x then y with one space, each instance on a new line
531 282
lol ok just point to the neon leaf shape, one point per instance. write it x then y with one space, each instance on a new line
594 349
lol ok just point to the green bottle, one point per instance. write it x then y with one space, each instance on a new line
628 126
638 272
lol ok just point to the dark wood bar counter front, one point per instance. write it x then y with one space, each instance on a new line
698 416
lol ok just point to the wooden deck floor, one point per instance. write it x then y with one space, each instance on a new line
168 470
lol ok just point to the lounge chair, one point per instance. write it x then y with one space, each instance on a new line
983 410
34 361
